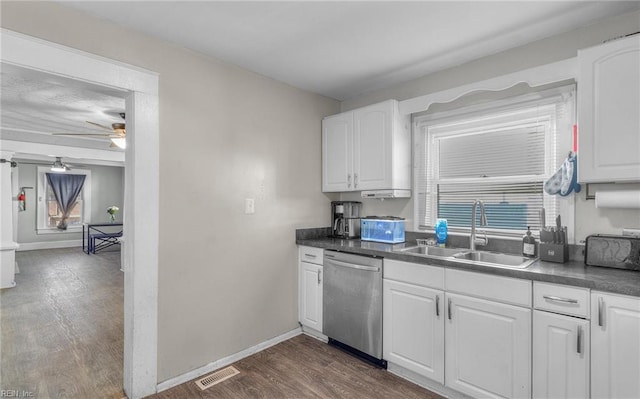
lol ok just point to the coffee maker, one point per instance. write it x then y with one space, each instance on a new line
345 219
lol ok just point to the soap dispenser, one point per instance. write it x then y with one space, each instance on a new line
529 244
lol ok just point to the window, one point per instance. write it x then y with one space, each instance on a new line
54 213
501 154
48 212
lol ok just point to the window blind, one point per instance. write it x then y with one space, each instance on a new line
500 154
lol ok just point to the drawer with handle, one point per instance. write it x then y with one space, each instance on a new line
310 254
572 301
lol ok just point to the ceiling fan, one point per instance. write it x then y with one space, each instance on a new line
59 166
117 132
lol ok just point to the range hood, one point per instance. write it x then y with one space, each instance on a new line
386 194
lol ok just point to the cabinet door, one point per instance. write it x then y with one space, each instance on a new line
373 127
608 103
560 356
337 153
487 348
615 346
413 328
310 295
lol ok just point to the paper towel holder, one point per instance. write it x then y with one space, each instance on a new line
590 190
590 195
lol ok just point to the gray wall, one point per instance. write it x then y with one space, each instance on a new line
107 188
541 52
227 281
589 220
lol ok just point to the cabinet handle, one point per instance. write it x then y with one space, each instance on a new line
349 180
310 256
559 299
449 308
319 280
355 180
600 311
437 305
579 340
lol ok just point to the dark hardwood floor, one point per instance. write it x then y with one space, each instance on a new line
61 336
62 325
303 367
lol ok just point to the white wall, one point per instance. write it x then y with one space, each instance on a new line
227 281
545 51
589 220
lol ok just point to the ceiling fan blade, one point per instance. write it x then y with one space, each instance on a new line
99 125
84 134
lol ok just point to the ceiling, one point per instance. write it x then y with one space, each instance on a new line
35 104
337 49
345 48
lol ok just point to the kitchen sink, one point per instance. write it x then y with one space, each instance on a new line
495 259
463 255
433 251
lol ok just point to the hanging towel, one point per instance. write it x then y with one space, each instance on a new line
565 180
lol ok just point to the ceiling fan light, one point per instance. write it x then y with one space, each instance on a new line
121 142
58 166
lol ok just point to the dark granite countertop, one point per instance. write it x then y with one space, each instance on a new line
574 272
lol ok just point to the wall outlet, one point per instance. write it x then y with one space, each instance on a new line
249 206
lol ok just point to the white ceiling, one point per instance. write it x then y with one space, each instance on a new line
342 49
35 104
338 49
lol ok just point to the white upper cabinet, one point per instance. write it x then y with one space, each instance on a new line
609 112
337 153
366 149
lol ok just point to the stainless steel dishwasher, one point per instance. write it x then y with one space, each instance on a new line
352 304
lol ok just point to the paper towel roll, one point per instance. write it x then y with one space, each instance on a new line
618 199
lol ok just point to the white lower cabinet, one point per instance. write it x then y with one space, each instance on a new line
615 346
477 334
413 331
465 332
310 288
311 295
561 344
488 348
560 356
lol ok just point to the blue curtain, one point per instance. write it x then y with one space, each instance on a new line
66 189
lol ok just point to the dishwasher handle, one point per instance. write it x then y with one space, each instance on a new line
352 266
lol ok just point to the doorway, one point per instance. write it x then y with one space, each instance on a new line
141 183
62 325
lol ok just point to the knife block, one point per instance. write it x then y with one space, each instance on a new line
558 253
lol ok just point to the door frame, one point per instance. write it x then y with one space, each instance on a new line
141 183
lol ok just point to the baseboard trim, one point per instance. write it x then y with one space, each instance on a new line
30 246
425 382
181 379
315 334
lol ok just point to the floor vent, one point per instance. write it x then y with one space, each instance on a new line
216 377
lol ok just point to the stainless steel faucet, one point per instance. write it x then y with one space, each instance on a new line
473 241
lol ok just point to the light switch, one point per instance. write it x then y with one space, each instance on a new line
249 206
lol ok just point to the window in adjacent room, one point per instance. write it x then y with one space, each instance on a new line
502 154
49 213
